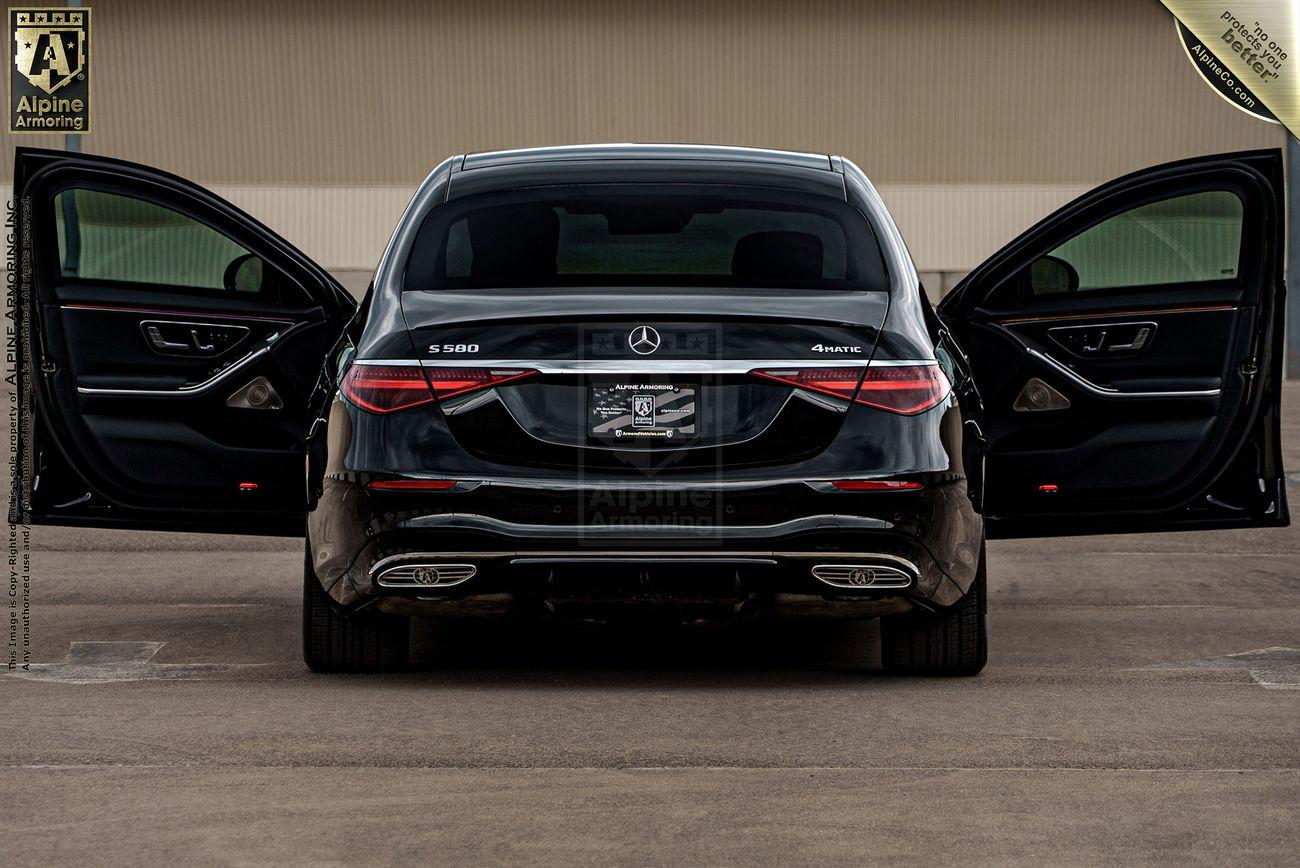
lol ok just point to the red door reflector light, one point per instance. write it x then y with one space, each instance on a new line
388 388
1049 488
902 389
876 485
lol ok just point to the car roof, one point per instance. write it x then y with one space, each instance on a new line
640 152
636 163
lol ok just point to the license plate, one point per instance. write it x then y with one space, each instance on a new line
634 411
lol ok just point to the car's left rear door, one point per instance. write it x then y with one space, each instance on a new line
170 352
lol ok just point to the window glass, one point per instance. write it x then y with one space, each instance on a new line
638 235
1187 239
109 236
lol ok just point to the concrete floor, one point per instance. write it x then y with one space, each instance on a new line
761 744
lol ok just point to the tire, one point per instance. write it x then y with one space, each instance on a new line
951 642
335 641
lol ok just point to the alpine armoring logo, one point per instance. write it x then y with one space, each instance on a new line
49 80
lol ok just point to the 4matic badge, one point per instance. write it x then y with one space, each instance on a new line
838 348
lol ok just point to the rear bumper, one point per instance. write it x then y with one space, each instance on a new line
446 553
589 583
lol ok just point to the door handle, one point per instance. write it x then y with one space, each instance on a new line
198 343
1089 344
1105 339
179 338
161 343
1138 342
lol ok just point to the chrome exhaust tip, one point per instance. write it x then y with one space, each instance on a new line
425 575
861 576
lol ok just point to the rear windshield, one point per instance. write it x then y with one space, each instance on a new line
651 235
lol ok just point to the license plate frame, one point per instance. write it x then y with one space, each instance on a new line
642 411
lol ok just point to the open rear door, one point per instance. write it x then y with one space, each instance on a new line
170 353
1127 354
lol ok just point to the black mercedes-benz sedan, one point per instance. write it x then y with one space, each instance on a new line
701 382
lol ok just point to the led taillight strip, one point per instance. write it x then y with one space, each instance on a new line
902 389
387 388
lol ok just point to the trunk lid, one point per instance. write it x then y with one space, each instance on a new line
646 378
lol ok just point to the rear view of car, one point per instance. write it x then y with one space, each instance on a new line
695 381
626 384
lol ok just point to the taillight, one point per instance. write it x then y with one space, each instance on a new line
450 382
385 388
840 382
905 389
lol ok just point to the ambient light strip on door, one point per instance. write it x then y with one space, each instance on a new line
1115 314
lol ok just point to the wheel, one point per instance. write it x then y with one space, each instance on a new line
335 641
951 642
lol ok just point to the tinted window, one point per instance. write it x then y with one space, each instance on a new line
109 236
1187 239
621 235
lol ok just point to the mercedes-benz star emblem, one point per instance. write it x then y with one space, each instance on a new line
643 340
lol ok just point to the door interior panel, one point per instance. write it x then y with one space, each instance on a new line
1182 350
1099 448
157 428
110 347
157 356
1156 393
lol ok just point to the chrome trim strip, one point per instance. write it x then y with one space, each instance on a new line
183 391
196 388
674 555
606 484
648 365
484 523
762 562
1106 391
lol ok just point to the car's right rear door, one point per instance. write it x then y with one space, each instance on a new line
1127 353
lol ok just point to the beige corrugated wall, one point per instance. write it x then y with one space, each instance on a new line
975 118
